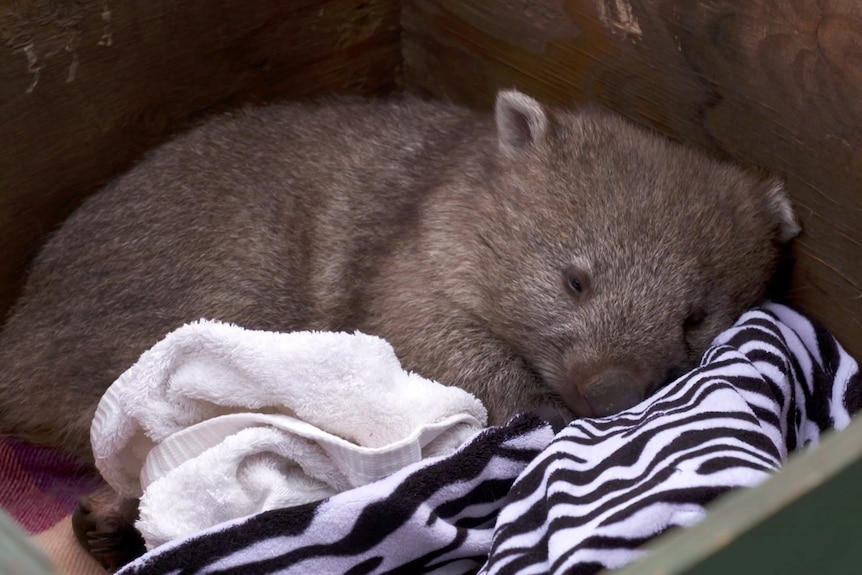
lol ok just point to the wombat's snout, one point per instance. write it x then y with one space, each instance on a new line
609 392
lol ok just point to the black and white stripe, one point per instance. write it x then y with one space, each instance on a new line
530 497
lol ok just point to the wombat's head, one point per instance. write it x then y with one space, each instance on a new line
612 256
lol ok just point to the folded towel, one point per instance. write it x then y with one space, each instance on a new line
217 422
584 499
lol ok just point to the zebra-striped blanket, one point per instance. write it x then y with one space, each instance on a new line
537 497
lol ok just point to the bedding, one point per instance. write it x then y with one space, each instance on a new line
39 488
531 496
216 422
537 496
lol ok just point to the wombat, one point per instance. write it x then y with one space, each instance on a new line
534 256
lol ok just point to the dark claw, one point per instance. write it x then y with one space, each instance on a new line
103 524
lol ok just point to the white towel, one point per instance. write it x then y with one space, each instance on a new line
217 422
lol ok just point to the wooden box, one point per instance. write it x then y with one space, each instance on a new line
87 86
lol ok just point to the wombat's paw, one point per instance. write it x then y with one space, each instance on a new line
556 419
103 524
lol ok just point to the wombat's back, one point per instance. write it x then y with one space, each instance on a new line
265 218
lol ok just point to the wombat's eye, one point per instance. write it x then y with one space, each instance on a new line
695 317
577 280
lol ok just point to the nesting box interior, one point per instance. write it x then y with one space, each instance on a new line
89 86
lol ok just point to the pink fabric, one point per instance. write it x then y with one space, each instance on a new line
39 486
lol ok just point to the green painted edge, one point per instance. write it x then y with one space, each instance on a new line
18 554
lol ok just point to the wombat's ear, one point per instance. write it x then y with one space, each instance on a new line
781 209
521 120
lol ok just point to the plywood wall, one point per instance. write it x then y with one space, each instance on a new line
772 84
87 86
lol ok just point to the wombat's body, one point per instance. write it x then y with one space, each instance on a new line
547 257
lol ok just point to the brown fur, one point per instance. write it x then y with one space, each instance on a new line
535 257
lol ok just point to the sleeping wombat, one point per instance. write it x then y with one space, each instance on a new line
534 257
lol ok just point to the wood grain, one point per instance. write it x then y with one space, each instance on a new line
88 86
776 85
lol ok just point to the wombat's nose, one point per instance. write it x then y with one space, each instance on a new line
614 391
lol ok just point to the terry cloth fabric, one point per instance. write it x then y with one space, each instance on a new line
591 496
216 422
